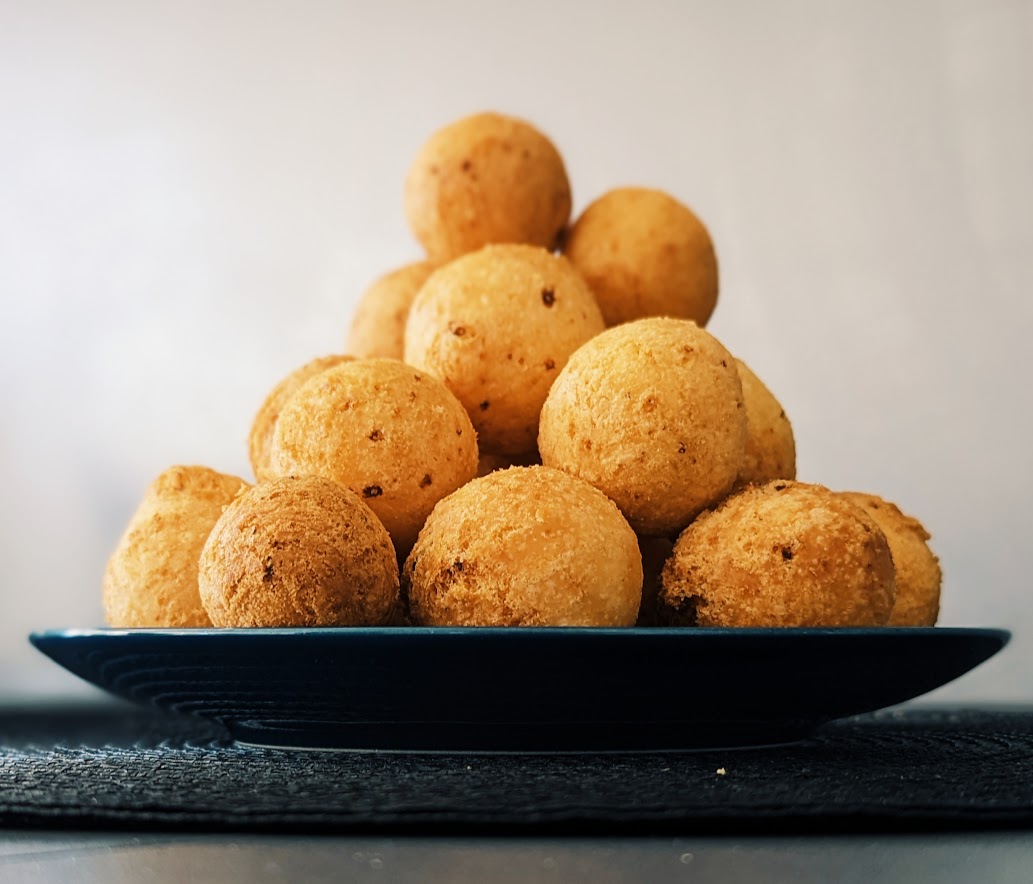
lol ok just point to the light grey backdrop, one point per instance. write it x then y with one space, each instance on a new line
193 194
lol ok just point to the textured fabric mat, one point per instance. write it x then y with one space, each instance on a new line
116 766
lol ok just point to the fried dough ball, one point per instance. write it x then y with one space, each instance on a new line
151 578
261 437
780 554
770 446
497 326
645 254
527 546
650 413
917 568
391 433
378 325
299 551
485 179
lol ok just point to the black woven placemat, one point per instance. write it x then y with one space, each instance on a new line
116 766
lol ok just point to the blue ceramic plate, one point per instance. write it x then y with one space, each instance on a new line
520 689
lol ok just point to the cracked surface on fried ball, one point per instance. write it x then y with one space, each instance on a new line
391 433
770 446
527 546
299 551
378 324
486 178
497 326
645 254
780 554
260 439
917 568
651 413
151 578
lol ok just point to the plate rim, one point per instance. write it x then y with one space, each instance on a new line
508 633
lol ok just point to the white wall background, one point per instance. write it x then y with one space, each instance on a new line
192 194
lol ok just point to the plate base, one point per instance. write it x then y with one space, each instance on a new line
520 737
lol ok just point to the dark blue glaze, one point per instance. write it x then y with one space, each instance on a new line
520 689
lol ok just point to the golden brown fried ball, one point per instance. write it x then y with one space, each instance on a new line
650 413
378 326
527 546
485 179
391 433
780 554
645 254
151 578
300 551
770 446
917 568
261 437
497 326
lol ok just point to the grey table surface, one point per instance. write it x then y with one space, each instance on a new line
32 856
116 856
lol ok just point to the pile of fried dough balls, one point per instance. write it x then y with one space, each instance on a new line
531 427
